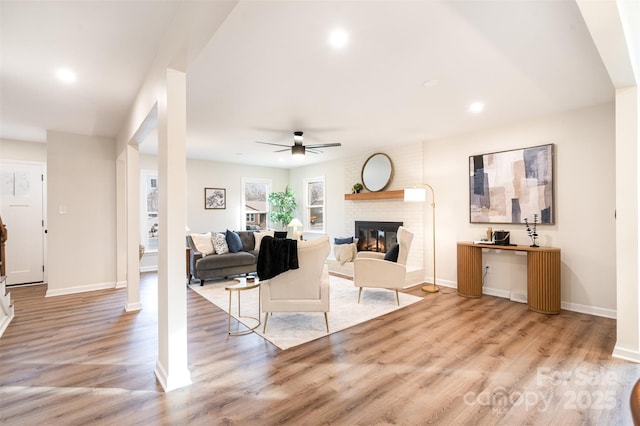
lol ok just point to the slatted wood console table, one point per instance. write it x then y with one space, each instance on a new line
543 274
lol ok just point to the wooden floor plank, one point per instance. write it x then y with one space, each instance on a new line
81 359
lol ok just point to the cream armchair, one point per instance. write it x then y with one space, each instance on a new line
371 270
305 289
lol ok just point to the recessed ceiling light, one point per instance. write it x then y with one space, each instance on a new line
66 75
476 107
431 83
338 38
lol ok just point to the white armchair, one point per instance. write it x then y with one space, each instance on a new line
305 289
371 270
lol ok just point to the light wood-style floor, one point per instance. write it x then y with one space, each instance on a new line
81 359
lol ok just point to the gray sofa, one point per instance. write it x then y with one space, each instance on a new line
224 265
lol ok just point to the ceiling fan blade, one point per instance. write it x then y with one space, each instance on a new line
324 145
311 150
283 150
276 144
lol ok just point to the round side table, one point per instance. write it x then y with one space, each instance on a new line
243 284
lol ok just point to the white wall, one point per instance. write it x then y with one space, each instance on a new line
584 198
82 216
203 174
23 151
149 162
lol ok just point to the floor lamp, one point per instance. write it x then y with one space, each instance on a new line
419 193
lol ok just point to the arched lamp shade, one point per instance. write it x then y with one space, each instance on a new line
415 194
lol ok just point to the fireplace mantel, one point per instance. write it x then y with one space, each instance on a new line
381 195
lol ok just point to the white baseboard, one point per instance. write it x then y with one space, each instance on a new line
80 289
626 354
161 375
5 320
176 381
133 307
591 310
447 283
429 281
496 292
568 306
152 268
6 308
7 311
121 284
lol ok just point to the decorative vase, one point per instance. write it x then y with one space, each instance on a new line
532 230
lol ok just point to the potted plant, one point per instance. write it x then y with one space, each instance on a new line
282 205
357 187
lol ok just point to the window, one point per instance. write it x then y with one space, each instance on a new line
255 206
314 205
149 210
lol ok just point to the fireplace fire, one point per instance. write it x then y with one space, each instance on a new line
376 236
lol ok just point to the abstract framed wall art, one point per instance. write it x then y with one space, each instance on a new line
509 186
215 198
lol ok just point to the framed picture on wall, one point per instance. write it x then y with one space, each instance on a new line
510 186
215 198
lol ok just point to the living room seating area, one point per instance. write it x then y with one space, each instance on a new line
223 254
213 257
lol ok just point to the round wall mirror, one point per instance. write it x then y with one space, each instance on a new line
377 172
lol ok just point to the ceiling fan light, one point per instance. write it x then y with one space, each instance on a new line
297 150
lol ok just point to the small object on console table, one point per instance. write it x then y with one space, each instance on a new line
531 230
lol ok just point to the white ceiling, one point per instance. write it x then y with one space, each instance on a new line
269 70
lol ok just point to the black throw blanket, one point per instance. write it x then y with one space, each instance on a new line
276 256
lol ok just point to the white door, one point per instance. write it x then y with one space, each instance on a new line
21 208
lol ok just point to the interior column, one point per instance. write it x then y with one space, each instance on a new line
172 368
611 24
627 217
132 228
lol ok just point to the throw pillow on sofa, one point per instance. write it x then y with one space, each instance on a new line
233 241
258 235
345 253
220 243
339 241
349 244
203 243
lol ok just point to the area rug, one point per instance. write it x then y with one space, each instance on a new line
286 330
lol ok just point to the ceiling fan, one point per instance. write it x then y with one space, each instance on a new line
297 149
